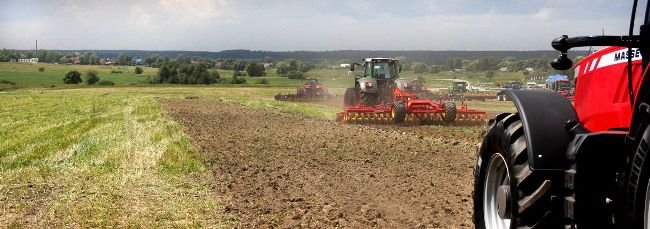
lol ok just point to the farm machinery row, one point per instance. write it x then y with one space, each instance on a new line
381 97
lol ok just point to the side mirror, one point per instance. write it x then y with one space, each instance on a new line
562 62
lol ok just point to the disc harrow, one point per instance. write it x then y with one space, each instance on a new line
433 114
312 90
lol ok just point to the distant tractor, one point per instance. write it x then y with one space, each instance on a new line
311 90
560 84
417 87
462 90
379 96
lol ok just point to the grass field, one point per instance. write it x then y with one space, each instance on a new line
110 157
105 157
98 158
28 76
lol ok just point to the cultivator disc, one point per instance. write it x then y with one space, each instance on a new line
303 98
412 119
470 119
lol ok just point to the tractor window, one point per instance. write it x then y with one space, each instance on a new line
381 71
312 81
384 70
564 85
368 70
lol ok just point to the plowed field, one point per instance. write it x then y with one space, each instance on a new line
279 169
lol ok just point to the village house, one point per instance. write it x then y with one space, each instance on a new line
30 60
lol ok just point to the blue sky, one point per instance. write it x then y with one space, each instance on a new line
213 25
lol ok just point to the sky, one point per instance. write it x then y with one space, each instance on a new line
292 25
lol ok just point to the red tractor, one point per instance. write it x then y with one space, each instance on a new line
574 166
561 84
381 97
310 91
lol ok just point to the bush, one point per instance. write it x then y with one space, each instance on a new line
238 73
116 71
92 77
296 75
237 80
41 69
215 77
72 77
287 66
138 70
105 83
263 81
7 82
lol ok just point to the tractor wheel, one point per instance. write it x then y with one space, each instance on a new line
507 193
450 112
398 113
350 97
637 186
368 99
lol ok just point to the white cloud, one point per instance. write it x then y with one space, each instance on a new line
194 11
140 17
544 14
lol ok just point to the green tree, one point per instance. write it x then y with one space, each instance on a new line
138 70
72 77
254 69
92 77
490 75
305 67
236 79
434 69
240 65
295 75
419 68
282 68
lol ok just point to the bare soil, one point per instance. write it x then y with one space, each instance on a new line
276 169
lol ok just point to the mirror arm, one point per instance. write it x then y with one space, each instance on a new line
564 43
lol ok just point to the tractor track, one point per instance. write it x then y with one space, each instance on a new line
275 169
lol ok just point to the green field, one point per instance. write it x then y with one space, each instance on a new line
28 76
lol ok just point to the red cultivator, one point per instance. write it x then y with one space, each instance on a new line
402 107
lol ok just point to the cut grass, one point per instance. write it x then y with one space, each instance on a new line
99 158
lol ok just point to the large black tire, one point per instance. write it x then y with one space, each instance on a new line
507 193
398 113
369 99
636 195
350 98
450 112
